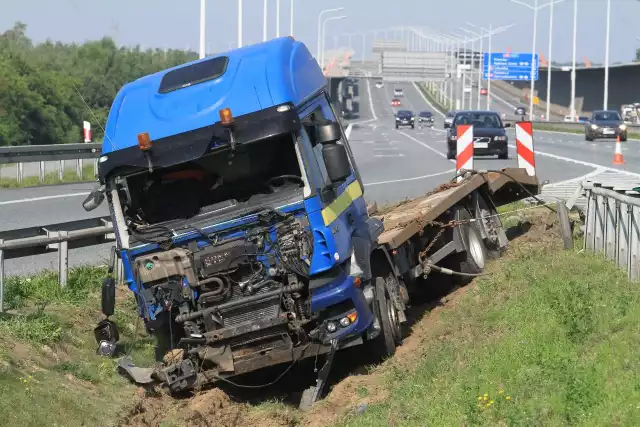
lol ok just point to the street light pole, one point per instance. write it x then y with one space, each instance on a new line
573 62
605 103
323 35
489 70
533 59
277 18
319 44
264 20
239 23
548 112
202 28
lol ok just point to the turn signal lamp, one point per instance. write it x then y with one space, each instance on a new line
144 141
352 316
226 118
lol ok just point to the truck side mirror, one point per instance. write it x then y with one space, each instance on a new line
334 155
94 199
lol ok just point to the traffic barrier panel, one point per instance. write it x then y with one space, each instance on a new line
524 147
464 149
618 158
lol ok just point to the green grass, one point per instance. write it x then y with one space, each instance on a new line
50 178
431 96
49 372
549 339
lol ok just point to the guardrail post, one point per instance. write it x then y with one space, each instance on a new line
565 225
61 171
610 229
634 244
63 259
79 168
624 219
42 168
19 172
1 278
95 167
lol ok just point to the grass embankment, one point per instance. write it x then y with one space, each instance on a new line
432 96
550 338
49 372
70 175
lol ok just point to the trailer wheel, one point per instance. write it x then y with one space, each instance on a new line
384 345
492 225
475 254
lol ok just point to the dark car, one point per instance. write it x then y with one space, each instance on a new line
425 118
448 119
489 134
405 118
605 124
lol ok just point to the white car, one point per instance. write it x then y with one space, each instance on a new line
398 92
568 119
379 84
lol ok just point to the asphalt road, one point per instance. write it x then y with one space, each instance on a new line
395 164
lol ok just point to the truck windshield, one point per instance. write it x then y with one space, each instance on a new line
262 173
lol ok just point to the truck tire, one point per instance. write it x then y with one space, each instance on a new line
474 257
490 222
384 345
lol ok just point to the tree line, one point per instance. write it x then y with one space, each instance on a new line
47 90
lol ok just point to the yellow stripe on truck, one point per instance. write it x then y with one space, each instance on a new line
341 203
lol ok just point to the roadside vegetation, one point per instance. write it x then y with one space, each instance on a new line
547 338
431 95
70 175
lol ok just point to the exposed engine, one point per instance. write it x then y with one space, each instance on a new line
237 296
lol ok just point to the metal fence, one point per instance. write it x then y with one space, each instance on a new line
612 226
45 154
29 241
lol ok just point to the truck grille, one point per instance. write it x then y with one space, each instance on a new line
265 309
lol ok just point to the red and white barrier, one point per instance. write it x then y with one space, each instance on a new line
464 149
87 131
524 147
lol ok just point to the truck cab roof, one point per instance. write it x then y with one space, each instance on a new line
189 97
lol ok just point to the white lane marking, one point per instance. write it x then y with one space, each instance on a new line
37 199
426 100
416 178
385 148
389 155
428 147
347 132
580 162
373 113
493 95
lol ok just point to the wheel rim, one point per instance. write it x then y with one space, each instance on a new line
475 248
392 314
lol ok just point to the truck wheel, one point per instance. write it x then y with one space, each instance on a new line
384 345
474 257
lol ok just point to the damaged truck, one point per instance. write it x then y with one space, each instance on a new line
242 229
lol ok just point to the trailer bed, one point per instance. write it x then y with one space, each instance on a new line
406 219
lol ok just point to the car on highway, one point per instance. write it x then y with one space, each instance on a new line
405 118
484 91
425 118
568 119
584 119
605 124
489 134
448 118
395 102
379 84
398 92
520 111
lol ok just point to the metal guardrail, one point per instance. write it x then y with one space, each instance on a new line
576 126
612 226
27 241
47 153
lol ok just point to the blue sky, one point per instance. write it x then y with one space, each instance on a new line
169 23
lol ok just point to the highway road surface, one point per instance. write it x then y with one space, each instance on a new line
395 164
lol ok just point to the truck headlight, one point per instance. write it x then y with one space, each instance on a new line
594 127
623 127
332 327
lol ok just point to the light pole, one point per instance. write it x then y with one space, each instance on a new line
318 53
264 20
605 103
291 20
535 9
548 112
277 18
202 29
324 30
239 23
479 36
573 61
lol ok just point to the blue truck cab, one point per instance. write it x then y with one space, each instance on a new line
239 217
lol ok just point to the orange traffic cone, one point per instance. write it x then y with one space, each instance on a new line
617 157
